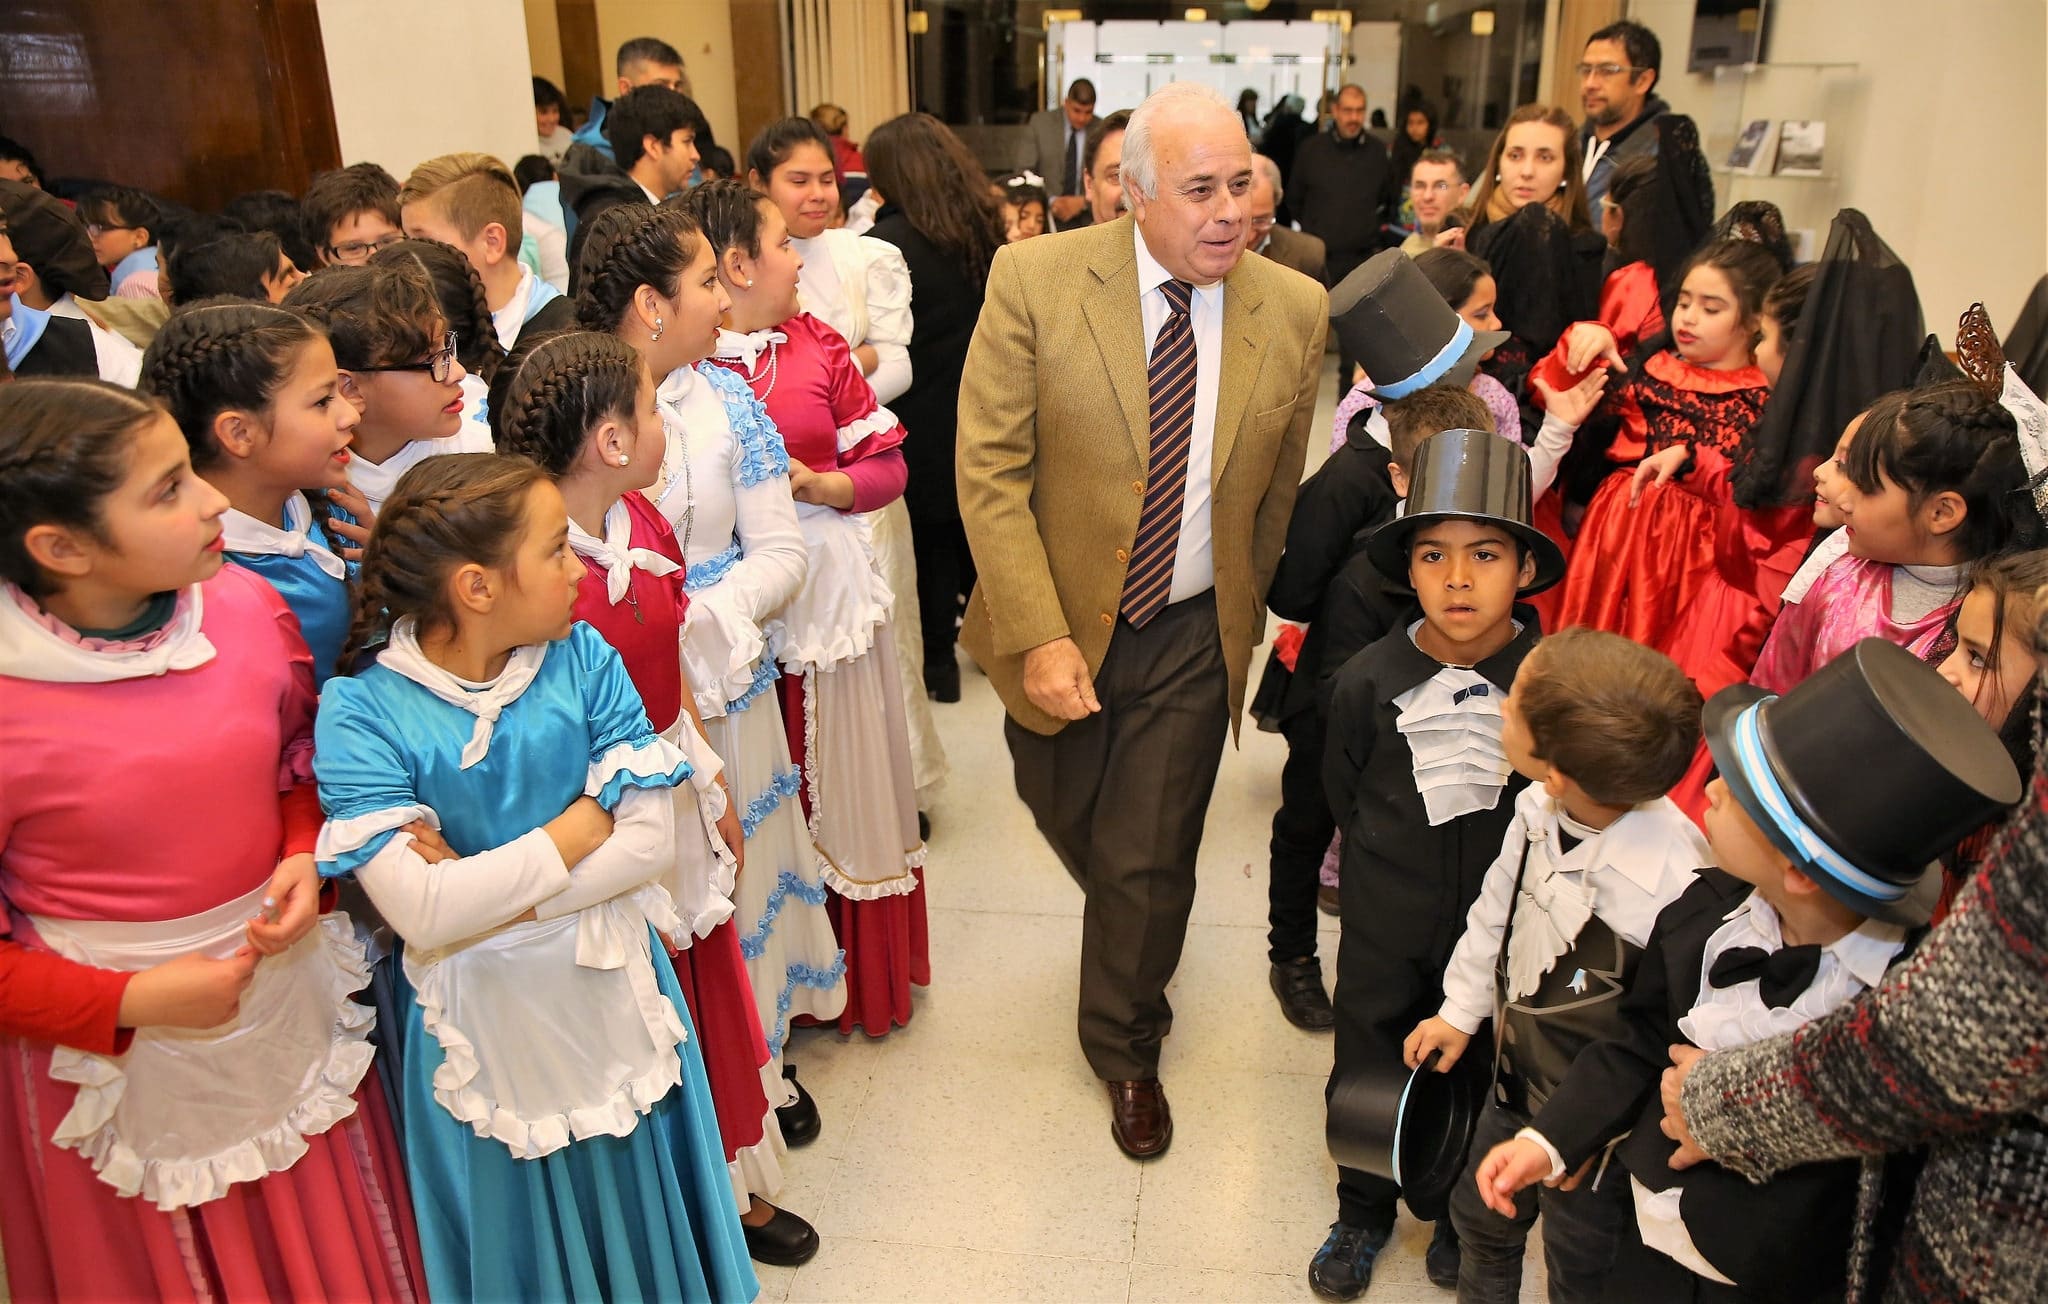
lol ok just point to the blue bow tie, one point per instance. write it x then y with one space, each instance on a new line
1477 690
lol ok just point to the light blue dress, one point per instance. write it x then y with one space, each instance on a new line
322 603
645 1216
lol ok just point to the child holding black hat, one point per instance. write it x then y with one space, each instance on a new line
1827 866
1415 774
1601 727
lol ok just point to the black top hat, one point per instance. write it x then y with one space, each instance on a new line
1868 833
1392 322
1467 475
49 237
1411 1128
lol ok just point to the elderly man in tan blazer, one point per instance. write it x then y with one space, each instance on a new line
1133 417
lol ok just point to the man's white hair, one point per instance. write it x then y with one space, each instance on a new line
1269 172
1138 170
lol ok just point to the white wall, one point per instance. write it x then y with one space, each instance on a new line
1941 139
701 31
412 79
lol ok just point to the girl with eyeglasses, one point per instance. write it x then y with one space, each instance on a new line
398 363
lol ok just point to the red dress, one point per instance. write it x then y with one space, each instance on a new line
835 648
644 628
1633 570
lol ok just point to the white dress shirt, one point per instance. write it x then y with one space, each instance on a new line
1194 563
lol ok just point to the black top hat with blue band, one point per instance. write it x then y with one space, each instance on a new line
1411 1127
1392 322
1864 774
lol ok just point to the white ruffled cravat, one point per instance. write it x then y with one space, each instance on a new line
616 553
30 651
244 533
747 348
1559 907
403 656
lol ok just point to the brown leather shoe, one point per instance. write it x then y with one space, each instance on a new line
1139 1118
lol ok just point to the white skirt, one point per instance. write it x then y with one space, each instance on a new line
896 562
857 768
792 955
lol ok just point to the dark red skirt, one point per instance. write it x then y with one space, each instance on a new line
713 976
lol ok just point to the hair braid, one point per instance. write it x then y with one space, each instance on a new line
221 355
462 297
631 245
559 391
64 446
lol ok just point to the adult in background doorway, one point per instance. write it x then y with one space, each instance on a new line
1283 244
1334 192
1061 137
1121 571
642 61
1617 89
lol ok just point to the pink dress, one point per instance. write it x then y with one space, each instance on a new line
139 811
1851 601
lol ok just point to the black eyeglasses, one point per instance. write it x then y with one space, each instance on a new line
94 230
358 251
439 364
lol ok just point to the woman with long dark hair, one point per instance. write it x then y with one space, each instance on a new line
936 208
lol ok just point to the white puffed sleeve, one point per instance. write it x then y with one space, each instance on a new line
889 319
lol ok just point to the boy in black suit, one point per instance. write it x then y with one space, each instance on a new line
1828 865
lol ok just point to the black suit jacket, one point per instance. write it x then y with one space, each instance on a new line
944 305
1421 878
1787 1239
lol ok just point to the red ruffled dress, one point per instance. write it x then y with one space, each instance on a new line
842 700
1630 310
644 626
1633 570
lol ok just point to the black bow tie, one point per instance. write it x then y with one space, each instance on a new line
1780 975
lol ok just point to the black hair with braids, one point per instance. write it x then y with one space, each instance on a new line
1953 437
631 245
218 356
64 446
560 390
445 512
460 292
729 214
374 316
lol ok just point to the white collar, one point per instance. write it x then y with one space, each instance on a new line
1866 951
748 348
1151 275
616 553
486 702
509 320
244 533
1647 844
30 651
676 385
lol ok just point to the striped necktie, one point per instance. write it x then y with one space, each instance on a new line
1149 577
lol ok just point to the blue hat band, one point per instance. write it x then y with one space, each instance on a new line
1433 370
1763 781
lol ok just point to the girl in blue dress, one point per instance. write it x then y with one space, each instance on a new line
493 783
257 394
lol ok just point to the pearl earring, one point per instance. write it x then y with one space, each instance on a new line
659 327
623 459
750 282
1496 178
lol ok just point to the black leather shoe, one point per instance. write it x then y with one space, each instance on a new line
1342 1269
799 1118
942 682
1299 985
1442 1260
924 827
784 1241
1326 901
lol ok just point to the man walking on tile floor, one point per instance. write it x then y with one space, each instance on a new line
1133 418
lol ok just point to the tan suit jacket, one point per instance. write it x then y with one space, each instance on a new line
1055 434
1297 249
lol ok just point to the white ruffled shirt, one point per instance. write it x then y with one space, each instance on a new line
1452 723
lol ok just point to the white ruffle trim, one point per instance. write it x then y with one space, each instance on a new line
880 421
723 872
721 648
853 890
655 758
534 1138
101 1081
844 600
339 837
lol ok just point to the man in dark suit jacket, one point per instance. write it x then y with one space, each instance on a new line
1058 137
1283 244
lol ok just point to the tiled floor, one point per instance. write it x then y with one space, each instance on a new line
967 1157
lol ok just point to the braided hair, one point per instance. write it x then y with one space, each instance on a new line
631 245
729 214
375 316
1952 437
63 448
221 355
460 292
445 513
551 396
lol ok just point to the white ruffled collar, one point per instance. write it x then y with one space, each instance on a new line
245 534
485 701
616 553
29 650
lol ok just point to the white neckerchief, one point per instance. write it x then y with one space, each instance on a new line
616 552
747 349
510 319
1726 1017
486 702
244 533
29 651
